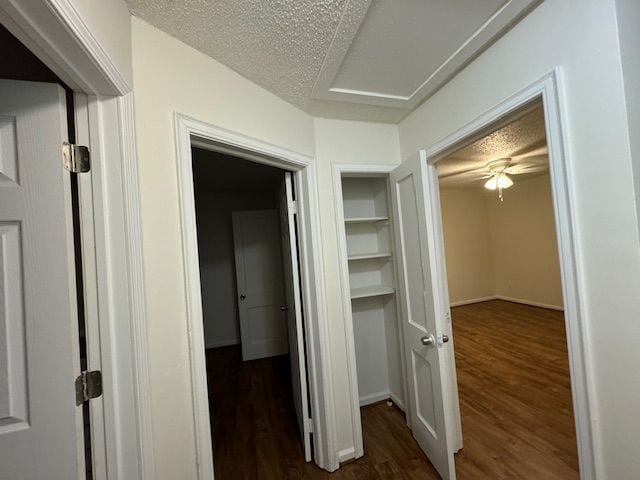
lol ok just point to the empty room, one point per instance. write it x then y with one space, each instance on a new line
505 290
268 239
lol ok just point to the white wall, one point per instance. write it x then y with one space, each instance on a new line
468 249
217 260
110 23
579 38
172 77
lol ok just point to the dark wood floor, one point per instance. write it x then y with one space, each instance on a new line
514 398
515 393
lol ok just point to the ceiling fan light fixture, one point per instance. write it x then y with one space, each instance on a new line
499 180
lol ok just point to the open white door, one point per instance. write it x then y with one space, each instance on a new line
294 312
40 425
256 240
422 325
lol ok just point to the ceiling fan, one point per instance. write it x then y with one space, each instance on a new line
497 173
498 178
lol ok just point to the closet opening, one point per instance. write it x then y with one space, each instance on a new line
252 317
369 250
507 310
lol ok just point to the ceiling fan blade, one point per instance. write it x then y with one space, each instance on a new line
530 168
534 151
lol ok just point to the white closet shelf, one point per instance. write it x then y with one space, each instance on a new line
365 219
373 291
365 256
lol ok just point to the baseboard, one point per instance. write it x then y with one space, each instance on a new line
473 300
530 303
394 398
346 455
507 299
222 343
374 398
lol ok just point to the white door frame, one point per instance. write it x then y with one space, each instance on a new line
377 170
191 132
548 88
55 32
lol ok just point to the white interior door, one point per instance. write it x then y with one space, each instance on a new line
40 425
294 312
258 258
422 325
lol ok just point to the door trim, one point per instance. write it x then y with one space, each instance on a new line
549 89
352 372
191 132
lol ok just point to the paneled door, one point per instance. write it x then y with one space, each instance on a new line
422 324
260 286
40 424
293 310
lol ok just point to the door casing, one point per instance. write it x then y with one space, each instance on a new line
191 132
546 89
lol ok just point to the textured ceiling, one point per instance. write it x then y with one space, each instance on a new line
278 44
298 49
523 140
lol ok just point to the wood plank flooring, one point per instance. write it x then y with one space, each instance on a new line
515 393
514 398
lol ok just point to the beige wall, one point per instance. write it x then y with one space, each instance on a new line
502 249
524 243
580 39
468 249
171 77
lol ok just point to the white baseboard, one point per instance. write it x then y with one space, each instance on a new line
507 299
374 398
394 398
529 302
473 300
222 343
346 454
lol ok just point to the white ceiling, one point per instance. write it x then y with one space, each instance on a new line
523 139
354 59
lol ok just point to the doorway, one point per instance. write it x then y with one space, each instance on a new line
505 290
252 315
432 407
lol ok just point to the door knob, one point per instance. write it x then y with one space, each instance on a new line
428 341
243 296
284 308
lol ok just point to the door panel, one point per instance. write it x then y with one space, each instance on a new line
294 312
421 322
263 327
40 425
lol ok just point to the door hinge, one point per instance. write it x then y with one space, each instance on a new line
88 386
308 425
76 158
294 207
